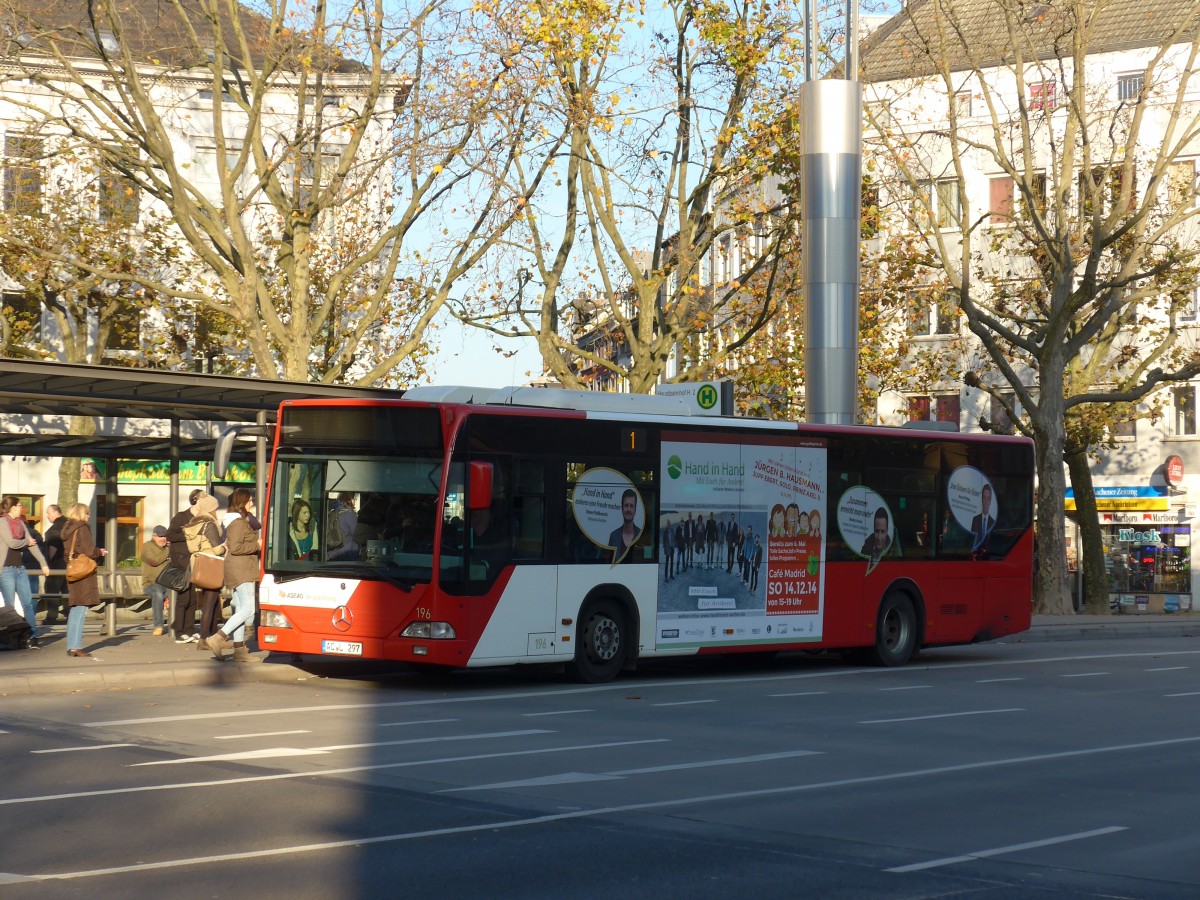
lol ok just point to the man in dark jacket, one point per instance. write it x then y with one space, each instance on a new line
54 588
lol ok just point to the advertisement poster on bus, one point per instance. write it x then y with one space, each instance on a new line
743 542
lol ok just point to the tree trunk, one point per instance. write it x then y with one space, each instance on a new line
68 469
1050 592
1091 550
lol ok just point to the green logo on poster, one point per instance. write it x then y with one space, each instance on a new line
674 467
707 397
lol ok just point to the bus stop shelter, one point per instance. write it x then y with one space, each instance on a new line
42 388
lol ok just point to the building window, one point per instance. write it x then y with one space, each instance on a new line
24 314
1124 430
23 155
1129 87
1042 95
1101 188
1001 421
129 526
1000 200
932 314
918 409
118 198
1189 310
1183 400
947 212
947 408
962 104
937 201
124 332
1181 185
1039 190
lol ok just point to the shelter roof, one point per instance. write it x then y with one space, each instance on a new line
57 389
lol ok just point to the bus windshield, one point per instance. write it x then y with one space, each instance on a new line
357 517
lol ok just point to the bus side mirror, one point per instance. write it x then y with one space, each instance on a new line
479 485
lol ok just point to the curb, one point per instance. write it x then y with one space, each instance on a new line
1098 631
124 678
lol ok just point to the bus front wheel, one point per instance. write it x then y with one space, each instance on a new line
895 631
601 648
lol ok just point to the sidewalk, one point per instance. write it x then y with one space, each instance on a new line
135 658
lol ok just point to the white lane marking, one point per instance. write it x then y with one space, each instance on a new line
413 722
270 752
80 749
261 734
1168 669
1083 674
996 680
543 781
1013 848
1184 694
628 686
265 753
802 694
708 763
684 703
525 732
954 715
347 770
557 712
599 811
574 777
908 687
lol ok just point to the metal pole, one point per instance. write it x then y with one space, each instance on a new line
831 202
112 511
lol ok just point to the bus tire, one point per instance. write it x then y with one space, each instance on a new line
601 643
895 631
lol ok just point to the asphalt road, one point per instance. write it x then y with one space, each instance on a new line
994 771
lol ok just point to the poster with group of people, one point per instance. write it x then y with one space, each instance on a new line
741 543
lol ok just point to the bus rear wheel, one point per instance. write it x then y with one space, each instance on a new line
601 648
895 631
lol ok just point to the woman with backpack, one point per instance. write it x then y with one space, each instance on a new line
204 536
243 544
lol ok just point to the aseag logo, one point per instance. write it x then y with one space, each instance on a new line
674 466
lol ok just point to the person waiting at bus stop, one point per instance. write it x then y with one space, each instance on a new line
155 553
184 619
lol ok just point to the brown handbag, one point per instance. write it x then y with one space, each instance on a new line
78 567
208 572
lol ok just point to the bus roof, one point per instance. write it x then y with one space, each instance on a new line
640 407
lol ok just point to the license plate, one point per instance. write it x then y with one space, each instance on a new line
345 648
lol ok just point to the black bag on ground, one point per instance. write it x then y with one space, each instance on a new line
14 630
174 578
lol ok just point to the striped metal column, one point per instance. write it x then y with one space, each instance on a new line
831 202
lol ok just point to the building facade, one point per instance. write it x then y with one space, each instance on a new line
1000 132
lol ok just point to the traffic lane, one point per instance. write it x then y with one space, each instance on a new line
795 826
526 800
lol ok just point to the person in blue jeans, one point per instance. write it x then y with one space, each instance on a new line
243 544
155 553
15 539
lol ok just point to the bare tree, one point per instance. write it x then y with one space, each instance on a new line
1067 272
662 226
305 156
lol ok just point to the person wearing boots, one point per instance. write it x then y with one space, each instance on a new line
243 544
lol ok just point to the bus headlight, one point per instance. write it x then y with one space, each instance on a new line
435 631
274 619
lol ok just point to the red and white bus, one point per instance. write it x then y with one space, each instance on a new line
464 528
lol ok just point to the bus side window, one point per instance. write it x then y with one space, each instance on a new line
529 517
529 509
